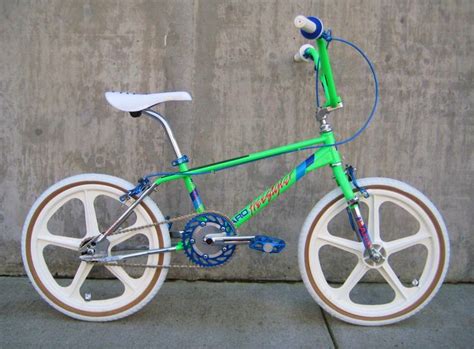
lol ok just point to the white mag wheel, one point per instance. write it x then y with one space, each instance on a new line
409 232
79 207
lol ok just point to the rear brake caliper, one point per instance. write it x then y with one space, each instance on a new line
143 184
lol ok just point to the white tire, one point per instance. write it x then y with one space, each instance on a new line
409 298
38 240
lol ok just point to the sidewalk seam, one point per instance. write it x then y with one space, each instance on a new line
331 334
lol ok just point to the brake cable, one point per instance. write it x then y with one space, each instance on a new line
327 36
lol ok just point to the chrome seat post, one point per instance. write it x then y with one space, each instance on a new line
166 126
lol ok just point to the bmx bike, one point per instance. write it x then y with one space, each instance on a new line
137 230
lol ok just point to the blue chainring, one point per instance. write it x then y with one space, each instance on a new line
197 250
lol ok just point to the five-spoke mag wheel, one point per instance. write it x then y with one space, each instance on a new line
407 230
67 213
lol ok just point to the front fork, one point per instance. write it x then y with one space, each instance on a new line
353 205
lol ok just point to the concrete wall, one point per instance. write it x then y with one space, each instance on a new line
58 57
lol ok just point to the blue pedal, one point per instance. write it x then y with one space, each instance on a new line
267 244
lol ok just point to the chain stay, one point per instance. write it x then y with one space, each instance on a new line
157 266
168 221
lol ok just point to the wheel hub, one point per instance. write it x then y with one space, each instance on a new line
376 257
95 250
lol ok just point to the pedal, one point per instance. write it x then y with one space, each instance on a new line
267 244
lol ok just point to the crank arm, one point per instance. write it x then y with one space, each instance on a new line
219 239
108 259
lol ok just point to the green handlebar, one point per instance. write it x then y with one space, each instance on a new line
321 56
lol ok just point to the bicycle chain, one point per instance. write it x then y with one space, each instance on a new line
167 221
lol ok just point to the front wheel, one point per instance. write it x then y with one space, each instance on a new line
77 208
406 228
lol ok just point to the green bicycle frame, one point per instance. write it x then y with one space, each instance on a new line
326 155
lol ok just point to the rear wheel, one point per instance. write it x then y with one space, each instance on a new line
72 210
411 235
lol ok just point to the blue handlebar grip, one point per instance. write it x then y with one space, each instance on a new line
317 33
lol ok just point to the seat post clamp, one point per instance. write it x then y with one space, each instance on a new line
182 160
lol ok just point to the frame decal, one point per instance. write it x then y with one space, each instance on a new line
240 215
271 193
301 169
321 158
195 198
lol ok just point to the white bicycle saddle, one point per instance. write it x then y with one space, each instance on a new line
131 102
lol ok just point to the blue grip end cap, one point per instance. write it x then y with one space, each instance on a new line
317 33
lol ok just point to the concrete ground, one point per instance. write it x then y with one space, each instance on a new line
221 315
